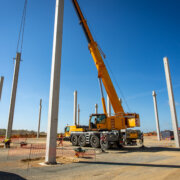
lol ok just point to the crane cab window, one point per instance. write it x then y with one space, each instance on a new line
66 129
93 121
101 119
98 119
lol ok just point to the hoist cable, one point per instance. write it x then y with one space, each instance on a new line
122 94
21 31
103 55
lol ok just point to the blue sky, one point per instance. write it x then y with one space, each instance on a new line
134 35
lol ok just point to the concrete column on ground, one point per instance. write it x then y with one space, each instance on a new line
39 123
156 115
108 106
54 85
13 95
75 108
78 115
1 85
96 108
171 102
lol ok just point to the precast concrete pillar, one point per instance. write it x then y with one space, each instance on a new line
75 108
96 108
39 122
13 95
1 85
108 106
156 115
78 115
171 102
50 157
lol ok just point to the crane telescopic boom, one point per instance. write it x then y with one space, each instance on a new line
104 130
101 68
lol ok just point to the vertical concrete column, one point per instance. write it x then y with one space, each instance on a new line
171 102
1 85
78 115
40 107
156 115
54 85
13 95
96 108
108 106
75 108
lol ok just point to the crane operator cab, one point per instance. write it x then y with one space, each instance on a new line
97 121
67 131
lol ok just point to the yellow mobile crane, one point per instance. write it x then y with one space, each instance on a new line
102 130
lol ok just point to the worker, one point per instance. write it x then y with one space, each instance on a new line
102 140
7 143
60 139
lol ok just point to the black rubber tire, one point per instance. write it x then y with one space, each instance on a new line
119 146
74 140
95 142
82 141
104 145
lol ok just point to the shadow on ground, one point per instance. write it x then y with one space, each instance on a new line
10 176
131 164
145 149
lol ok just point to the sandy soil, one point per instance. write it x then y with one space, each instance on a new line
158 160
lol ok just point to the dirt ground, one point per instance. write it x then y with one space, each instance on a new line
157 160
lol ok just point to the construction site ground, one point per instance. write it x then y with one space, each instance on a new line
157 160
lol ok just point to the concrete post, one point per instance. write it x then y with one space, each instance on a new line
171 102
13 95
1 85
78 115
96 108
54 85
75 108
108 106
40 106
156 115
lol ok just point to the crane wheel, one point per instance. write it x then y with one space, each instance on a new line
74 140
82 141
95 142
